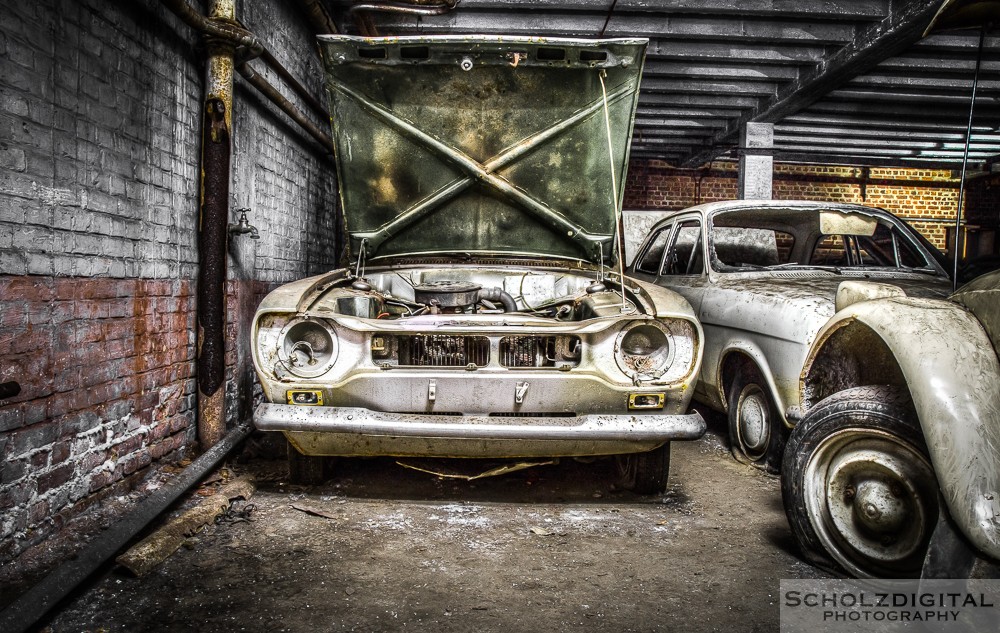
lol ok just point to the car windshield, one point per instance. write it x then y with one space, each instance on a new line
818 238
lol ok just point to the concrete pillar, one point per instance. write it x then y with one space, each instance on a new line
756 162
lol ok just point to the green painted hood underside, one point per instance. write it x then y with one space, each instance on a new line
482 144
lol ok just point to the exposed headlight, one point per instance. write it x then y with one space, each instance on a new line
307 348
643 350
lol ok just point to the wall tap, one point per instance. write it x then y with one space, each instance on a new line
244 226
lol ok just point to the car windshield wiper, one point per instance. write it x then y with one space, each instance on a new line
832 269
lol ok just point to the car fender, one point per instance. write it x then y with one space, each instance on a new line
750 349
953 375
663 302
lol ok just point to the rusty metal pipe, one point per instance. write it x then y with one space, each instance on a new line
212 236
223 36
227 29
318 15
261 84
213 229
402 7
294 84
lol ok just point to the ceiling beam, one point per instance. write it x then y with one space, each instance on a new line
687 113
720 70
928 99
869 46
680 123
768 9
733 101
694 27
896 110
872 160
734 50
887 123
941 135
697 86
899 141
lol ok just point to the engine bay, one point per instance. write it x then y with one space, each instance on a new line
402 294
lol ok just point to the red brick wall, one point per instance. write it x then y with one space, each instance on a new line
925 198
106 369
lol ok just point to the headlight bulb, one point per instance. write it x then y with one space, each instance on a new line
307 348
302 355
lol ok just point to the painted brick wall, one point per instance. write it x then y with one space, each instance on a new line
100 108
925 198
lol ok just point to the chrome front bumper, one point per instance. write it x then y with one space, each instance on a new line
358 431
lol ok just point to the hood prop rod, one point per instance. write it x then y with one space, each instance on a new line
614 191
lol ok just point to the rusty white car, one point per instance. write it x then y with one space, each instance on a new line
895 469
762 276
482 314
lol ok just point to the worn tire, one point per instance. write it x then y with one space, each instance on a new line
644 473
858 488
756 432
308 470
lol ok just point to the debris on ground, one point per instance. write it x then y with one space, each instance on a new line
143 557
314 511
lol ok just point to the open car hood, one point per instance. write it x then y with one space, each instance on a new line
482 144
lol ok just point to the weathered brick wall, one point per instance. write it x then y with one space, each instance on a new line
99 158
925 198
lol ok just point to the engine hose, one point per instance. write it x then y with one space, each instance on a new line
497 294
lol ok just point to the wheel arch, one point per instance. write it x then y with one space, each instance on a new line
946 361
850 353
737 357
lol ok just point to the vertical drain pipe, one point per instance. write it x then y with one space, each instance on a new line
216 149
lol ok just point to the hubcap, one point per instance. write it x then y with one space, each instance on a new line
879 508
754 424
872 500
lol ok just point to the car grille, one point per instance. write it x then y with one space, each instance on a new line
448 350
524 351
442 350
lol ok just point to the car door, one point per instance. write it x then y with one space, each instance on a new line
683 266
649 260
683 271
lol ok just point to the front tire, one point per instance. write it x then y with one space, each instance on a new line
756 432
858 487
644 473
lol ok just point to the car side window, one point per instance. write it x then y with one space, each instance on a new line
885 248
684 257
649 262
829 251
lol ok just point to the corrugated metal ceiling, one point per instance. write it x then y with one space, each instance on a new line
844 81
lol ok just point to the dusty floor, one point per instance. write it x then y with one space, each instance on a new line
548 549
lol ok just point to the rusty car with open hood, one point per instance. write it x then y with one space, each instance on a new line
482 311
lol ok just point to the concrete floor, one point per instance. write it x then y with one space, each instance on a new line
547 549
